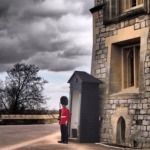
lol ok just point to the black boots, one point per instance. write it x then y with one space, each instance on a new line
65 142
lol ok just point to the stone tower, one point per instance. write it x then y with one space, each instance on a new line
121 59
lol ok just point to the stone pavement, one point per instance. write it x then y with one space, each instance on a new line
41 137
50 143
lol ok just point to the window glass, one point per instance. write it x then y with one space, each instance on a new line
130 67
133 3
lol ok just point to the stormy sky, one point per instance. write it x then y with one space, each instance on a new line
55 35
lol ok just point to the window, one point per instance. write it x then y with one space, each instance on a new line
124 72
130 4
130 69
115 10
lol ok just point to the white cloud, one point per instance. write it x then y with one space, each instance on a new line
54 92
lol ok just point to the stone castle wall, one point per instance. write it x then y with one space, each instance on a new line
133 107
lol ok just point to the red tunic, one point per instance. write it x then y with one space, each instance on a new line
65 114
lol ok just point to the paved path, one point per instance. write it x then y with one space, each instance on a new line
39 137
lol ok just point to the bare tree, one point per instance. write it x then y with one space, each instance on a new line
23 89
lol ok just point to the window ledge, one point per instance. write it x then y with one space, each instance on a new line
135 7
126 15
130 91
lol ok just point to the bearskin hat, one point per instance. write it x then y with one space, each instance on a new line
64 100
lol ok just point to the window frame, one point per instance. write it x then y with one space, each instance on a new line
116 72
129 7
125 66
113 12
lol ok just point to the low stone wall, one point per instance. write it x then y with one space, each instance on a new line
28 119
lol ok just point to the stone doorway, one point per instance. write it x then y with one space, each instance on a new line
121 128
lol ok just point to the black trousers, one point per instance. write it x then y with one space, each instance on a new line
64 132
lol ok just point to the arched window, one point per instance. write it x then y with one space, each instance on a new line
130 69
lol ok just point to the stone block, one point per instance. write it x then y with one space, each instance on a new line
144 128
145 106
147 88
143 24
126 105
102 65
106 34
139 106
143 111
107 28
123 101
110 33
105 50
122 25
135 117
132 111
147 58
99 52
111 101
148 111
148 46
137 26
147 70
102 30
103 39
148 128
145 134
147 117
133 106
146 64
132 22
115 32
97 46
146 122
113 106
126 23
97 71
98 40
136 101
140 117
147 23
103 70
103 56
144 101
147 94
130 101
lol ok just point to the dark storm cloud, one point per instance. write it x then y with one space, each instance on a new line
4 5
52 34
73 53
56 63
35 13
